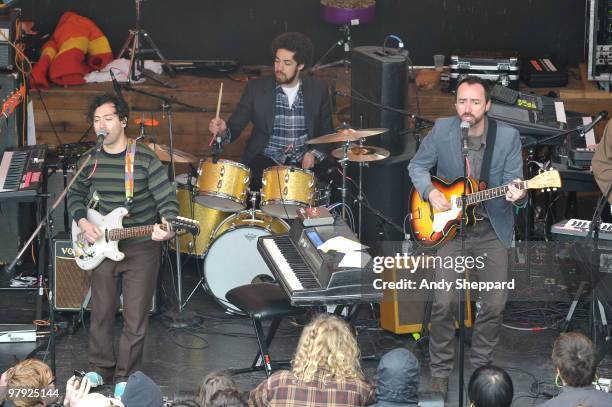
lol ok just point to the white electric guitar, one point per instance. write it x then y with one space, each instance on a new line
90 255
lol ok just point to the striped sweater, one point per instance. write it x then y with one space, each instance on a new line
105 174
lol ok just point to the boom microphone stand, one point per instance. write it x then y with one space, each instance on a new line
42 229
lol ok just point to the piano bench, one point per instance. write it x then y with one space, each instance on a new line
263 301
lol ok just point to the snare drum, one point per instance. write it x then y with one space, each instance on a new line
208 218
233 259
286 189
223 185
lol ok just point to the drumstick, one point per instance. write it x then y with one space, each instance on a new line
219 100
212 140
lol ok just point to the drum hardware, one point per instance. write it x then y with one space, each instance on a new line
134 43
362 155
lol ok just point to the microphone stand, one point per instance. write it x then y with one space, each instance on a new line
461 291
42 230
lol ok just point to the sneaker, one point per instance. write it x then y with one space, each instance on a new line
439 385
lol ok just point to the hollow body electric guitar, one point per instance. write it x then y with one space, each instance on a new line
432 228
90 255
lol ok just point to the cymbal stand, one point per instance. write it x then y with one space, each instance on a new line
360 192
344 163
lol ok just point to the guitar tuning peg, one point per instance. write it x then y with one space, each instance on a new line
547 189
554 189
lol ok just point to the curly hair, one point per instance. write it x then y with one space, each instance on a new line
121 107
297 43
327 347
30 374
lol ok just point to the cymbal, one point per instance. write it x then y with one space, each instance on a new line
163 152
359 153
346 135
146 122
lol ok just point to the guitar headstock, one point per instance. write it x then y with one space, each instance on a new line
183 225
547 179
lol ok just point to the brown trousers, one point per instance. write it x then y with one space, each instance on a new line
481 240
135 277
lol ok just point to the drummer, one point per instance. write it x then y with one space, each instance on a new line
286 110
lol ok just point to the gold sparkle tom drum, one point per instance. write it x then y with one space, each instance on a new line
223 185
285 189
209 219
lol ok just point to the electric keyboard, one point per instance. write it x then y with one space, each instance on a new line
575 228
311 277
21 171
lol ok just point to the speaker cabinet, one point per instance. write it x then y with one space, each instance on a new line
71 283
402 310
7 54
379 78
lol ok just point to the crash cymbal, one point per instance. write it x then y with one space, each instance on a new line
346 135
163 152
359 153
147 122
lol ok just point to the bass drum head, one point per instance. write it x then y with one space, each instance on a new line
233 259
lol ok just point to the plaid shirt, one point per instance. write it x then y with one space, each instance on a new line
284 389
287 144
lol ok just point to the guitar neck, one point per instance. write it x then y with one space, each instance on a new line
487 194
135 231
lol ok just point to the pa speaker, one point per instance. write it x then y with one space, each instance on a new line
380 79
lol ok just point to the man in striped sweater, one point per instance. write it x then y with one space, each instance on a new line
135 277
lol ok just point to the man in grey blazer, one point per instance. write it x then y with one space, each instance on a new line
286 110
490 237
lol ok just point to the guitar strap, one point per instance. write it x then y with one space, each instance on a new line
488 154
130 153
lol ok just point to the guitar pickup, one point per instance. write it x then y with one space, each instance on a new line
416 215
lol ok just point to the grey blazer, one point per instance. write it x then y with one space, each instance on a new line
442 148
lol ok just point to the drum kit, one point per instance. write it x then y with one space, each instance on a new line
216 193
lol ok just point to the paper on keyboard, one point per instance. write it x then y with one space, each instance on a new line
355 259
341 244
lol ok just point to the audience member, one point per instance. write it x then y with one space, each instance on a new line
30 374
227 398
397 379
212 383
490 386
98 400
573 356
325 370
141 391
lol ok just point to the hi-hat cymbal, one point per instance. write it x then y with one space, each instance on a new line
163 152
346 135
359 153
146 122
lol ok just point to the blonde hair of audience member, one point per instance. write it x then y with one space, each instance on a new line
212 383
328 347
29 374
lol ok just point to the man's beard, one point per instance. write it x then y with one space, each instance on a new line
281 81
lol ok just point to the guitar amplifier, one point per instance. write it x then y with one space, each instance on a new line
7 53
70 283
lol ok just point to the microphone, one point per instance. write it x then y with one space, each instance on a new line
116 85
101 135
600 116
465 128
